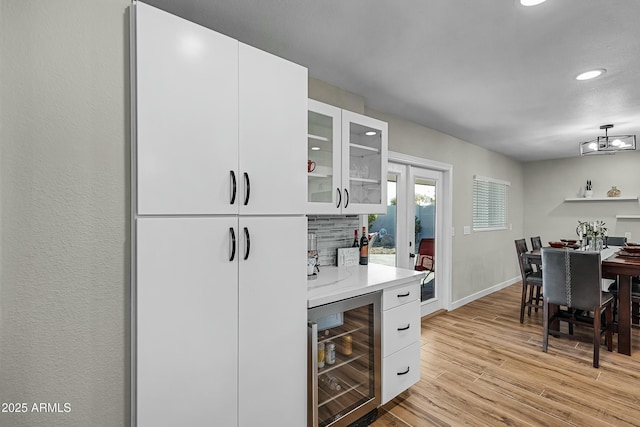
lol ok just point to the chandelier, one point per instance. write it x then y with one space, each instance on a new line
608 144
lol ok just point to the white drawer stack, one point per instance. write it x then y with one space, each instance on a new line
400 339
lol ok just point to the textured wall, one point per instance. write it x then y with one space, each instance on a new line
64 270
550 182
481 259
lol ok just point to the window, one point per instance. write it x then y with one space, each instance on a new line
489 203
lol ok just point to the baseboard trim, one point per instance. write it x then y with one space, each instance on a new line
483 293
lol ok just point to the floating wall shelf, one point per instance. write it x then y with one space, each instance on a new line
627 216
600 199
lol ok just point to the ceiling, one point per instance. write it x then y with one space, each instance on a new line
490 72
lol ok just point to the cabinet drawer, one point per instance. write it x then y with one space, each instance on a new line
400 327
401 295
400 371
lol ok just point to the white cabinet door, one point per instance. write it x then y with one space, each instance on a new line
273 322
324 186
187 115
364 164
187 305
273 127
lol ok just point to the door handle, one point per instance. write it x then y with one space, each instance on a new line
346 199
233 187
405 372
247 240
405 328
247 188
232 233
339 198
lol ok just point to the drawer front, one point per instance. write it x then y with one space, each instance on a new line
400 371
400 327
401 295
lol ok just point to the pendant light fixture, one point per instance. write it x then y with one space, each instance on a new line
608 144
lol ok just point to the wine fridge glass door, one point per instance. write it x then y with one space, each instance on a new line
344 368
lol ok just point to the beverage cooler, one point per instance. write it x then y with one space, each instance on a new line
344 361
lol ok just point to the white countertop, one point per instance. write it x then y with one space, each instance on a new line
338 283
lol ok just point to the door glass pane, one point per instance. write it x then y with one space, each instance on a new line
383 227
320 158
425 223
365 164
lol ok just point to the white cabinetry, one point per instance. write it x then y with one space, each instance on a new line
187 321
220 313
349 154
194 87
218 291
400 339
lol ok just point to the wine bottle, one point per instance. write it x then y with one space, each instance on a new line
364 247
331 382
355 238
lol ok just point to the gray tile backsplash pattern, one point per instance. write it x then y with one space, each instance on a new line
333 232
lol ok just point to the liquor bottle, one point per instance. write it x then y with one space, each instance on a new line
355 238
364 247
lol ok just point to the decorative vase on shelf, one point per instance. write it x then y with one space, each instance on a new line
614 192
588 191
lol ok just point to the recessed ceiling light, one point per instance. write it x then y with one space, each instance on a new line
531 2
592 74
370 133
315 148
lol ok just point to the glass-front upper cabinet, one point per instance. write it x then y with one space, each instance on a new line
324 194
347 161
364 163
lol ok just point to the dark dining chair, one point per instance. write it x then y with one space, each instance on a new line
536 243
531 282
571 282
616 241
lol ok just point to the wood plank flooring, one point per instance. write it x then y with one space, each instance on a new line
481 367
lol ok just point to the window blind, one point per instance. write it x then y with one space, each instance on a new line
489 203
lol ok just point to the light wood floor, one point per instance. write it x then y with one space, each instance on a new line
481 367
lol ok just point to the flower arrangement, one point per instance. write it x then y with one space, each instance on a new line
594 229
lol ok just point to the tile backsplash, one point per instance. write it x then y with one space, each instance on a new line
332 232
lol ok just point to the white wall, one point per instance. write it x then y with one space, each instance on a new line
480 260
64 161
548 183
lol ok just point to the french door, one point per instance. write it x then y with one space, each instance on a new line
416 199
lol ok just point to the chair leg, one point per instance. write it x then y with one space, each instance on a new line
530 300
545 324
597 331
523 301
609 332
537 297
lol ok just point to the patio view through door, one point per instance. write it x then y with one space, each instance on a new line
414 216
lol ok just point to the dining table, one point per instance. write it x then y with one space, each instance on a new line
613 266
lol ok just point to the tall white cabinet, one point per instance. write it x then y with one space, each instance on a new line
219 189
